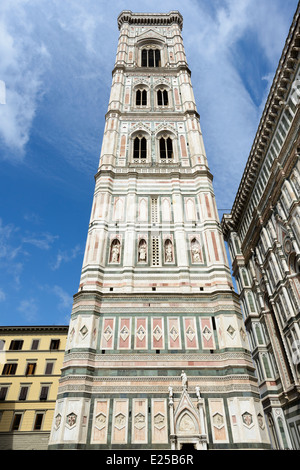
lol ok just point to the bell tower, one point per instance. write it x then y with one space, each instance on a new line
157 354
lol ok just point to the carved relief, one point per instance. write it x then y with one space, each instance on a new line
247 419
186 424
100 421
99 433
71 420
174 333
191 340
120 421
196 251
231 331
190 333
218 420
206 333
124 333
139 420
157 333
141 333
108 332
159 420
157 341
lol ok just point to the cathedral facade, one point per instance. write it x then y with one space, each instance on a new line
157 355
263 234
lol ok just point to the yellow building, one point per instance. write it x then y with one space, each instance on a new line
31 358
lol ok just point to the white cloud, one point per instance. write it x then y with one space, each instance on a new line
8 249
65 298
80 21
32 217
77 41
22 65
65 257
43 241
29 308
229 115
13 255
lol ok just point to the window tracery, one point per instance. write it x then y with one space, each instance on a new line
139 148
162 98
165 148
141 97
151 57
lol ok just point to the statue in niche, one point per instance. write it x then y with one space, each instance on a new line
115 251
168 251
142 257
184 380
195 250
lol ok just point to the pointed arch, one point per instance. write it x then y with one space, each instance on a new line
143 210
187 423
151 57
190 209
166 210
118 209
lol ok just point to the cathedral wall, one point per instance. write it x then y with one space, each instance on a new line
115 422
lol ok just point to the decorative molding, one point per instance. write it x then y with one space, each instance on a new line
150 19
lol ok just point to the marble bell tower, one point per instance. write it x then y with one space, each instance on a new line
157 355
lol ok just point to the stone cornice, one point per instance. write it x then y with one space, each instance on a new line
156 115
150 19
174 69
154 171
99 360
275 104
34 329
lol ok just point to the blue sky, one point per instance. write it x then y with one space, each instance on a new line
56 62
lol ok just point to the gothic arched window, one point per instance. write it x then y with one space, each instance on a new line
141 98
162 98
140 148
151 58
166 148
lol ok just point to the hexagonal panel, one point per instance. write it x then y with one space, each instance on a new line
71 420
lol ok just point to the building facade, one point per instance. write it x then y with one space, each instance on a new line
157 356
263 234
31 358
